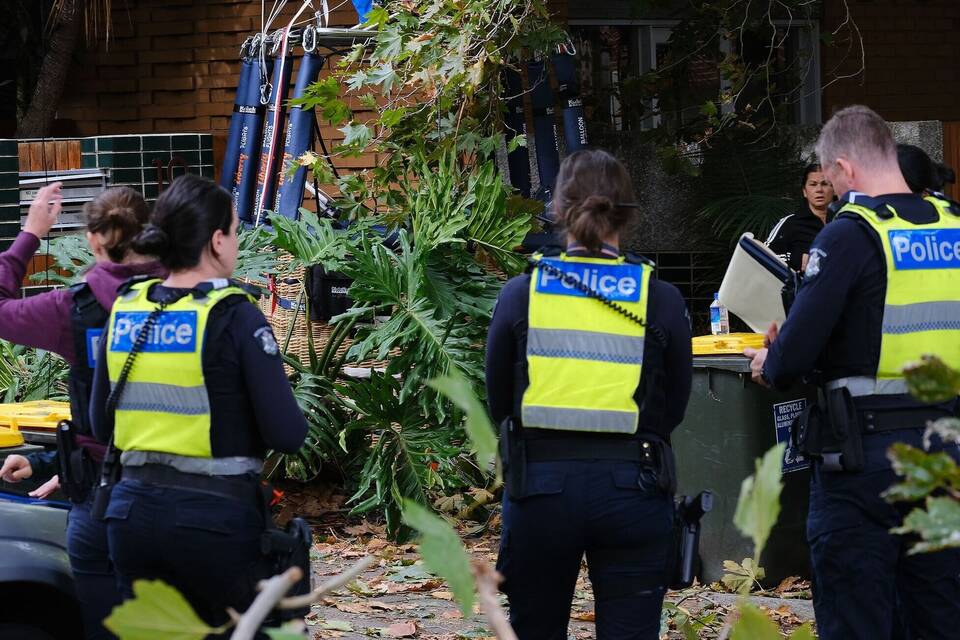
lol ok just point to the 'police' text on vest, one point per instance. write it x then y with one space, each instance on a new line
618 282
175 331
925 249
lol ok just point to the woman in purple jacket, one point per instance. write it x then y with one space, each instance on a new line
69 322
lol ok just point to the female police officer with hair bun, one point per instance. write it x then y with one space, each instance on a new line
198 395
587 394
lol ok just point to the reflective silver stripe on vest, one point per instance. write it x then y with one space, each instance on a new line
164 398
867 386
232 466
579 419
922 316
585 345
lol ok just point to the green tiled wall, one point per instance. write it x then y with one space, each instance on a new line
133 159
9 192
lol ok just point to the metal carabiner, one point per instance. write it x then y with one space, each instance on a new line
255 43
277 39
309 36
265 90
245 48
567 47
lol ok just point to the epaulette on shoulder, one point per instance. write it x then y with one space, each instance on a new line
636 258
546 251
251 289
129 284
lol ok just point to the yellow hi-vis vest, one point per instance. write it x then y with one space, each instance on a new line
583 358
921 312
164 406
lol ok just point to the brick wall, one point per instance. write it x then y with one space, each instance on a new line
912 51
172 66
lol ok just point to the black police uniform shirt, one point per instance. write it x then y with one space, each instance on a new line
834 326
507 347
793 235
251 406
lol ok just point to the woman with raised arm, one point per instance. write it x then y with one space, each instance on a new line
69 322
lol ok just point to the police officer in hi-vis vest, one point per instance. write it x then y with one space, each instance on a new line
588 372
881 289
191 388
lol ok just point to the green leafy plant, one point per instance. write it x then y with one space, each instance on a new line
758 508
70 257
157 610
757 511
443 553
408 456
932 477
31 374
433 79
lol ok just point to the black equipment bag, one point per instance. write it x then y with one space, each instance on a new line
327 293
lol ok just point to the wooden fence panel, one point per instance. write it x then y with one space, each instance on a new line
50 155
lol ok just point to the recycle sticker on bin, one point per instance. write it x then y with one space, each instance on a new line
784 413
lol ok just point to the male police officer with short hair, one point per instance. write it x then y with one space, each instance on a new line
882 288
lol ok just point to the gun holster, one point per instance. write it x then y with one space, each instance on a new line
281 549
513 455
830 430
109 477
686 531
76 469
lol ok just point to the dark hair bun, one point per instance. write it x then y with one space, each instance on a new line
945 175
596 204
185 217
152 241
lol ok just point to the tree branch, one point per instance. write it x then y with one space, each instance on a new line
487 582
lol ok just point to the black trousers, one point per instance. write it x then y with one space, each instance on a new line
205 545
865 585
611 511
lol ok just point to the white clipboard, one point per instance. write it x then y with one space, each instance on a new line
753 284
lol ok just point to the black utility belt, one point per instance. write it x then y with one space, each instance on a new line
560 449
237 487
881 420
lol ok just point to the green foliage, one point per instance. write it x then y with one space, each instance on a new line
157 610
689 624
749 188
753 624
442 552
759 504
31 374
257 256
433 75
408 455
760 76
938 524
740 577
923 473
315 392
934 476
479 428
931 380
70 257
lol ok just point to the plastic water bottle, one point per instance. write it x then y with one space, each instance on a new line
719 317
